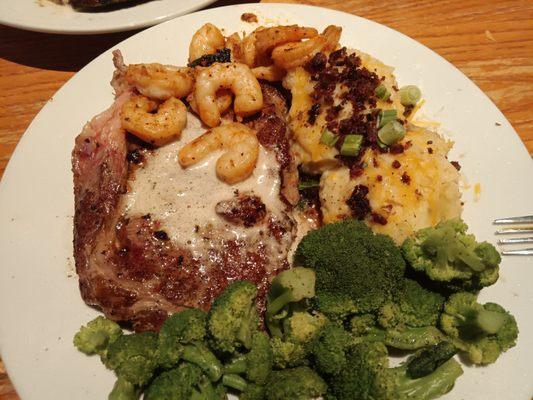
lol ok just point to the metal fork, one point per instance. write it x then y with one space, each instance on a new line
521 226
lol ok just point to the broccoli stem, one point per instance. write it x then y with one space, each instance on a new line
206 392
235 382
201 356
278 303
124 390
236 366
245 332
490 321
429 359
431 386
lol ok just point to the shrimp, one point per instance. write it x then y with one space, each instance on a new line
296 54
237 77
241 151
207 40
160 82
271 73
268 38
234 43
224 100
157 128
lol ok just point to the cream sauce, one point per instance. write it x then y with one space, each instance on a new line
184 199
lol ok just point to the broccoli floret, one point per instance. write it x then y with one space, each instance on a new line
361 325
96 336
288 354
482 331
206 391
300 383
447 254
416 307
199 354
124 390
405 338
329 349
257 363
174 384
178 330
248 391
369 377
302 326
134 357
289 286
233 318
356 271
429 359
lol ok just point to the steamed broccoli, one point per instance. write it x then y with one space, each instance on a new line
300 383
95 337
257 363
429 359
302 326
416 307
329 349
369 377
482 331
174 384
134 357
288 354
178 330
124 390
450 256
233 318
405 338
199 354
356 271
289 286
362 324
248 391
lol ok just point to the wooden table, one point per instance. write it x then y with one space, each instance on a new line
490 41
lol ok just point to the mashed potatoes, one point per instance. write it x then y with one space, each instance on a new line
400 191
411 190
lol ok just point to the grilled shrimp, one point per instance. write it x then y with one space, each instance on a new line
237 77
266 39
224 100
272 73
296 54
158 128
241 151
160 82
207 40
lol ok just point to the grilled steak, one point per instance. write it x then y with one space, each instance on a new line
151 238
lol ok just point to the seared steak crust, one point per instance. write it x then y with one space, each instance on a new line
273 133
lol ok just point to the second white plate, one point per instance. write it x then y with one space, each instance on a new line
46 16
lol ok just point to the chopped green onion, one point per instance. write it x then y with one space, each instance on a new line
410 95
308 184
391 133
351 145
328 138
387 116
382 92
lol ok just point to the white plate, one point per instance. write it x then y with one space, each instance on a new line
46 16
40 307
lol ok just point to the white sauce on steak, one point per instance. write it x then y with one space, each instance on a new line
184 199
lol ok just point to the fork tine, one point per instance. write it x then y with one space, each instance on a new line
516 240
507 231
522 252
526 219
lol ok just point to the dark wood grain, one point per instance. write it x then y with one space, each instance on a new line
490 41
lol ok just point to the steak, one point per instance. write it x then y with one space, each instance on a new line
146 246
